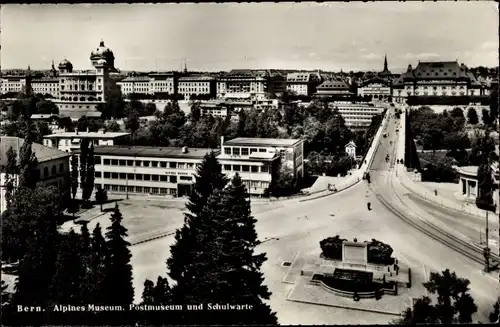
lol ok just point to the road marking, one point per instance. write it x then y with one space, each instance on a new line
290 268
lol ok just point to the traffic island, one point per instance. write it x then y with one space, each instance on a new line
353 282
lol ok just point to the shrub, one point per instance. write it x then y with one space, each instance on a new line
379 252
331 247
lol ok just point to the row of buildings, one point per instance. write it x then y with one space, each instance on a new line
86 89
157 170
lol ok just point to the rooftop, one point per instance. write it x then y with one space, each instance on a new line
152 151
298 77
42 153
108 135
262 141
196 78
333 84
136 79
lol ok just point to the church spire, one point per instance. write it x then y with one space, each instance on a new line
385 63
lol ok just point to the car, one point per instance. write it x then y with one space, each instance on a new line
397 130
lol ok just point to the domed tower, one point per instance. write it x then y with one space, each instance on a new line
103 56
65 66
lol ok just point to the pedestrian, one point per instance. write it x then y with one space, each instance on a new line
435 192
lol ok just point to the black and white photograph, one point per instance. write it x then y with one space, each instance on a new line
287 163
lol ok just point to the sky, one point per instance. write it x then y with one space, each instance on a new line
213 37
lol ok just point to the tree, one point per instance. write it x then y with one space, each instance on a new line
113 126
118 278
88 183
487 119
209 177
98 253
35 214
28 173
494 105
472 116
331 247
454 303
11 175
84 149
156 294
495 314
149 109
67 286
284 182
101 196
195 111
132 123
74 175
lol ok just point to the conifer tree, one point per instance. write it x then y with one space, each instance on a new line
88 183
67 286
97 266
84 148
11 175
209 177
118 278
74 175
85 255
156 295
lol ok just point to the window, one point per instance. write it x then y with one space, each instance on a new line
107 187
236 167
61 167
181 165
114 162
138 163
164 178
147 190
163 191
130 176
147 177
138 189
155 190
97 160
227 167
227 150
130 162
114 188
114 175
236 151
253 150
189 165
163 164
107 175
138 177
122 188
130 189
245 168
186 178
154 164
97 174
123 176
173 164
264 169
155 178
122 162
145 163
244 151
255 169
262 150
45 171
173 179
106 161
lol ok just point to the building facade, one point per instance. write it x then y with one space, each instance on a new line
440 78
70 141
302 83
83 91
197 85
357 116
13 84
243 84
147 170
53 166
255 160
135 85
333 88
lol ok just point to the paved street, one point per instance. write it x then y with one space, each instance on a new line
299 226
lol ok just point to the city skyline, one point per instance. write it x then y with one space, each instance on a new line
214 37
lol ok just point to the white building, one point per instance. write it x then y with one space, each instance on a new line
53 166
197 85
350 149
70 141
147 170
255 160
440 78
135 85
302 83
357 116
13 84
243 84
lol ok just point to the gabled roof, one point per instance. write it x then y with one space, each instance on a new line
42 153
136 79
298 77
333 85
375 79
439 69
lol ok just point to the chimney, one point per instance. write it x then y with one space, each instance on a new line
184 149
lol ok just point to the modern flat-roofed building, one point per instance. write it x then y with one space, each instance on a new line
70 141
147 170
357 116
53 166
255 158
